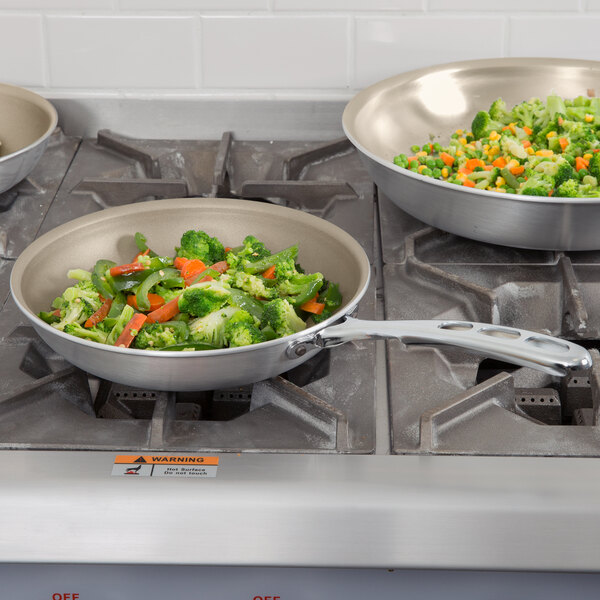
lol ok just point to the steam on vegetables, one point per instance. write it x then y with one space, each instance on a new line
535 148
206 297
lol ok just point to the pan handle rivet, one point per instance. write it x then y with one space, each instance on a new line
300 350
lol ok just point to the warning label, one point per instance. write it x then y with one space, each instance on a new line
133 465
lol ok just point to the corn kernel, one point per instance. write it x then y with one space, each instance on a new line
588 118
494 150
459 153
494 135
529 150
587 156
444 172
511 164
463 141
512 128
421 168
485 147
421 153
551 134
459 132
544 153
500 181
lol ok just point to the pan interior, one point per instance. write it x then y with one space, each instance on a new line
39 275
430 104
25 117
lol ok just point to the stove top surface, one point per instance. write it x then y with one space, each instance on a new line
422 400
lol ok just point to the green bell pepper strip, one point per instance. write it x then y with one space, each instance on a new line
140 242
101 281
246 302
258 266
332 298
151 280
49 317
188 346
307 294
117 306
214 274
120 323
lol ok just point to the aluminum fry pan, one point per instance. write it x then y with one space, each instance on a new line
39 275
388 117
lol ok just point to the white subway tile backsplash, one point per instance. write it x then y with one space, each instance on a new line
350 5
57 5
121 52
386 47
21 48
507 6
538 36
194 5
275 52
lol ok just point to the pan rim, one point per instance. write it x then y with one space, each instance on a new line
42 103
110 213
362 98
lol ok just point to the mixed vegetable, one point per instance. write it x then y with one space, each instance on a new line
204 298
536 148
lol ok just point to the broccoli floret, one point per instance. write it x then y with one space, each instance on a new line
300 288
526 113
241 330
484 179
252 249
587 190
77 303
254 285
594 165
537 185
498 112
565 172
167 293
483 125
285 269
512 146
211 328
198 244
553 126
202 298
567 189
280 315
158 335
259 266
93 334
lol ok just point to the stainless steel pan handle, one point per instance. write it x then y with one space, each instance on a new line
518 346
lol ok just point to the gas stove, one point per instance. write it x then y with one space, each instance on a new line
371 454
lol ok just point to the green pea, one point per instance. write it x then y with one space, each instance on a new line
427 172
582 173
415 149
570 159
437 147
414 164
426 148
422 160
430 162
439 163
401 160
437 173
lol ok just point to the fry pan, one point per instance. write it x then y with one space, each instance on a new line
26 122
388 117
39 275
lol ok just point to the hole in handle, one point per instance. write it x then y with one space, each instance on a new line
548 344
503 332
456 326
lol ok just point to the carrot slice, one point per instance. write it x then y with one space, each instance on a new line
156 301
517 170
269 273
165 313
179 262
194 279
192 267
125 269
564 142
137 256
220 267
131 330
99 315
526 143
465 171
527 130
499 162
447 158
312 306
581 163
488 168
474 162
468 183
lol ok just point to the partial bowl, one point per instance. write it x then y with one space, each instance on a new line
26 123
